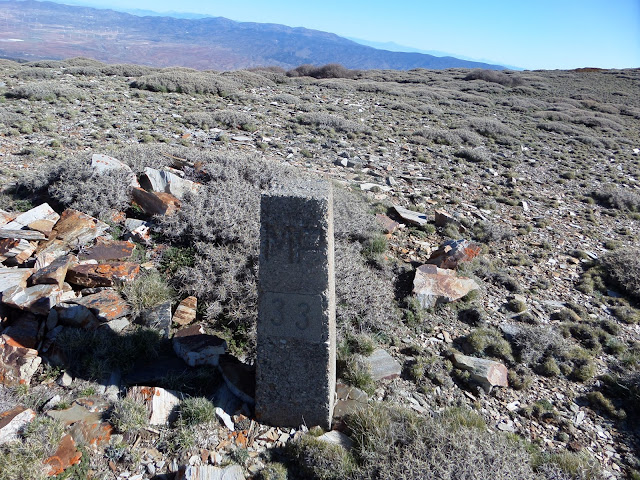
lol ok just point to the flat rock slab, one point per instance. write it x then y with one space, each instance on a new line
388 224
161 404
108 250
22 234
442 219
24 330
48 251
106 305
197 348
453 252
155 203
38 299
239 377
77 316
13 421
167 182
77 229
103 274
104 163
337 438
186 311
14 277
18 249
208 472
433 285
85 419
349 400
6 217
66 455
41 212
158 317
54 273
17 363
410 216
487 373
382 365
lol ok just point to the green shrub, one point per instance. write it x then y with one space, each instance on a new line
128 416
196 410
147 290
489 342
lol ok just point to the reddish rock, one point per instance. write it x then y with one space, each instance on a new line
24 331
85 421
197 348
38 299
155 203
433 285
44 226
186 311
106 305
487 373
76 228
48 251
18 249
102 275
41 212
13 421
389 225
160 403
55 272
17 363
108 250
66 456
454 252
6 217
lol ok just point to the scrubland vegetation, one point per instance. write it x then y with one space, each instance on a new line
540 168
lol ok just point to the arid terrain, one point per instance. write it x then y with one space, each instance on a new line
538 170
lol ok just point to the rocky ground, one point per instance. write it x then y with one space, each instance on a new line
536 171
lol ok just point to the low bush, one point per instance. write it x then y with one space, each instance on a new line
494 76
623 269
331 70
47 90
186 81
327 120
147 290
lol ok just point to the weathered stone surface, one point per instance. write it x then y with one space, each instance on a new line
66 456
85 419
167 182
48 251
76 228
453 252
433 285
155 203
197 348
337 438
103 274
108 250
149 372
443 219
13 421
77 316
104 163
17 363
487 373
382 366
55 272
158 317
349 400
14 277
106 305
209 472
389 225
6 217
410 216
38 299
239 377
24 330
41 212
117 325
186 311
161 404
21 234
295 367
17 249
44 226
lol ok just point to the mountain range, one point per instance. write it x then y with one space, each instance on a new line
33 30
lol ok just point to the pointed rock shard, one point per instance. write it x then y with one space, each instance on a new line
410 216
17 363
155 203
41 212
66 456
102 275
104 163
108 250
454 252
161 404
14 421
106 305
382 366
186 311
55 272
38 299
14 277
433 285
77 229
487 373
167 182
197 348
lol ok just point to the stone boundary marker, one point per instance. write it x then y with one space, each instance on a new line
296 349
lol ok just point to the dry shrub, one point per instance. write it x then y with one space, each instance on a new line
618 197
326 120
494 76
623 267
331 70
186 81
46 90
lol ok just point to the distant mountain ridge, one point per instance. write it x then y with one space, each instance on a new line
50 30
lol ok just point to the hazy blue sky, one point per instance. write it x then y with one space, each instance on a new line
532 34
